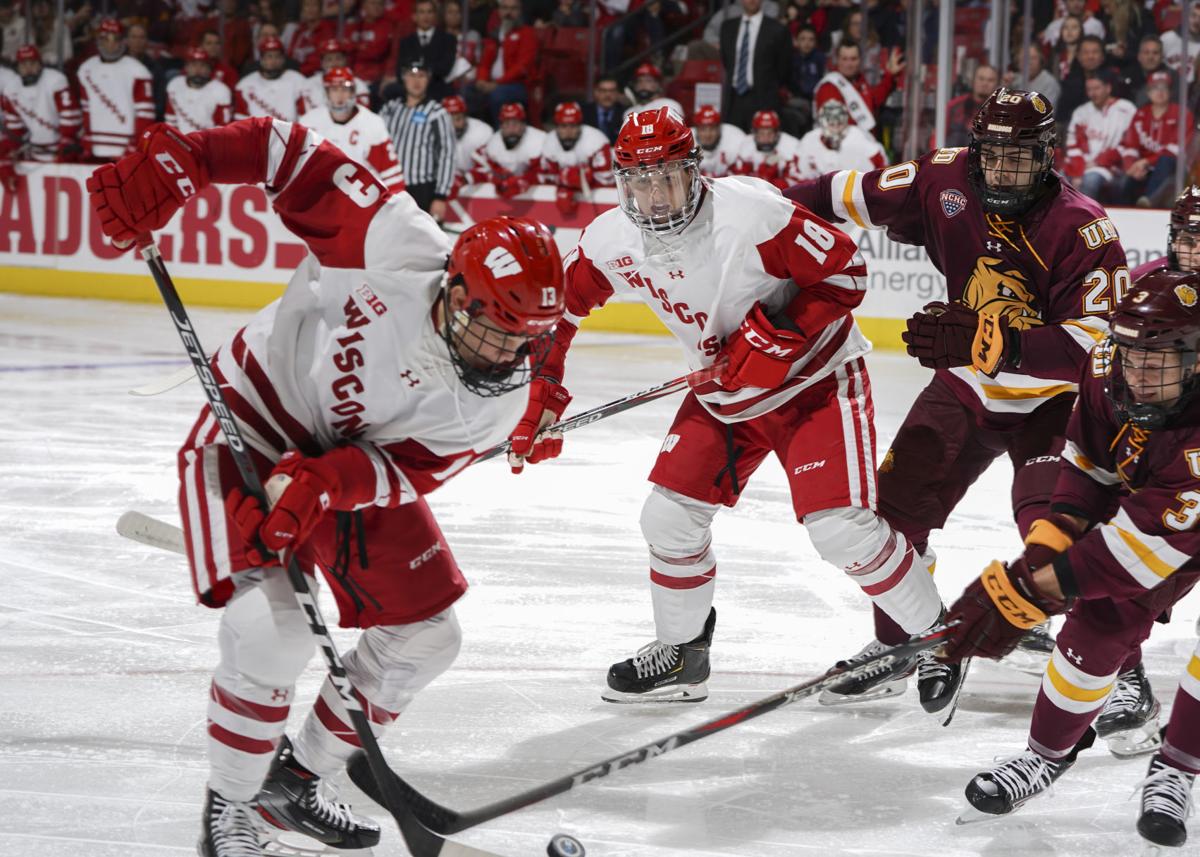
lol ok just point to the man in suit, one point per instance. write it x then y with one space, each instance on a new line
429 45
604 111
757 53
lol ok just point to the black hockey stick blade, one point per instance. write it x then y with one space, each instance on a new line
444 820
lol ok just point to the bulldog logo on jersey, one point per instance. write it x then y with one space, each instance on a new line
1186 295
1002 291
953 201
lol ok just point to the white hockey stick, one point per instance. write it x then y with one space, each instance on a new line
151 531
165 383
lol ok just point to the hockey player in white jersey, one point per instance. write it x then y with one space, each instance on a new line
195 101
334 54
390 362
513 153
836 144
355 130
750 281
115 95
647 92
40 113
471 136
719 142
575 157
768 152
273 90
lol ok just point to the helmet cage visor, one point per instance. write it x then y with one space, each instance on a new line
1008 175
489 360
1148 386
1183 248
662 198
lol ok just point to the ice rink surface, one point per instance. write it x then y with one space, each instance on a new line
106 661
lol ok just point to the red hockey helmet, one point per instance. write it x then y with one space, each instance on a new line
647 69
512 110
197 55
499 332
1184 231
270 43
29 53
332 46
111 26
454 104
1155 333
338 76
568 113
658 171
1012 150
707 115
765 119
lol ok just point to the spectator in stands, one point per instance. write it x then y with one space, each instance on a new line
569 13
647 92
431 45
469 41
45 35
371 37
514 152
1125 24
768 152
40 112
1067 46
12 29
835 145
471 135
1089 58
1173 46
846 83
1149 61
1092 26
334 54
719 142
1096 128
1040 78
851 31
273 90
210 42
757 54
239 33
961 110
731 11
508 61
301 38
116 97
808 67
137 46
575 158
423 135
604 111
195 100
1150 148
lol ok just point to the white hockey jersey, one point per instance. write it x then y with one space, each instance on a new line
1094 130
1172 47
747 243
117 102
469 157
522 159
281 98
313 94
43 115
8 79
591 154
720 160
858 151
653 104
364 138
780 167
190 109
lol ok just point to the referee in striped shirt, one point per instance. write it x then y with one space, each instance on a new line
423 134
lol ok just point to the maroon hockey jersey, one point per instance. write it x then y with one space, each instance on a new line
1055 274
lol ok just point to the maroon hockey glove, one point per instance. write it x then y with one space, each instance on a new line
941 335
141 191
759 354
995 611
528 443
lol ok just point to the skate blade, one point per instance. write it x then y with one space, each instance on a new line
883 691
685 693
1135 742
288 843
946 714
971 815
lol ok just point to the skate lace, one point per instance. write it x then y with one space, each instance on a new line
1169 792
929 667
656 657
1126 695
327 809
235 831
1023 775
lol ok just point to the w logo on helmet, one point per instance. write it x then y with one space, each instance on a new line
502 263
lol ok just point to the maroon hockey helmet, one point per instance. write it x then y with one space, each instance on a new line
657 168
512 273
1155 333
1185 220
1017 129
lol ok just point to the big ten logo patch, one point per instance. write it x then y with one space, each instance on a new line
371 299
1098 233
622 262
669 443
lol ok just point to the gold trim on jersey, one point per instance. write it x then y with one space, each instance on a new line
1010 393
1148 559
1072 453
1070 688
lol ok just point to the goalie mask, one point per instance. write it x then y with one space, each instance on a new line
834 121
1012 151
658 172
1183 235
502 297
1155 335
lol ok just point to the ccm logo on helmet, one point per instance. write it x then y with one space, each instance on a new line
502 263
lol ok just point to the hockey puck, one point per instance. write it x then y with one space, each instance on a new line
565 846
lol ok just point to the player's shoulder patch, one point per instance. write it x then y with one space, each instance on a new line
946 156
1098 232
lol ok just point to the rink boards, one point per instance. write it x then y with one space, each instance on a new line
227 248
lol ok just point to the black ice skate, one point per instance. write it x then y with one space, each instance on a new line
291 799
939 684
1012 783
663 673
1166 804
1129 720
884 681
229 828
1032 651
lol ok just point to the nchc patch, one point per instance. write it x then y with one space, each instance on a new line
953 201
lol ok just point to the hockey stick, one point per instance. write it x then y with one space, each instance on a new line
420 841
151 531
447 821
167 382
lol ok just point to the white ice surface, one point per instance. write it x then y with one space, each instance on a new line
105 660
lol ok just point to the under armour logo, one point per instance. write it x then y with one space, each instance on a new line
407 375
279 694
676 275
994 246
1078 659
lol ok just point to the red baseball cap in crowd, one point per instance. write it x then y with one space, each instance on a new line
1158 78
331 46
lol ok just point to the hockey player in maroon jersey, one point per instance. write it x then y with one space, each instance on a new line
390 362
744 278
1032 270
1133 446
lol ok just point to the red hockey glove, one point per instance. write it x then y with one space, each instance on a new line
995 611
8 172
940 336
565 201
528 443
759 354
140 192
571 177
510 186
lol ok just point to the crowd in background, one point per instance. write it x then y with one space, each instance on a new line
782 90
